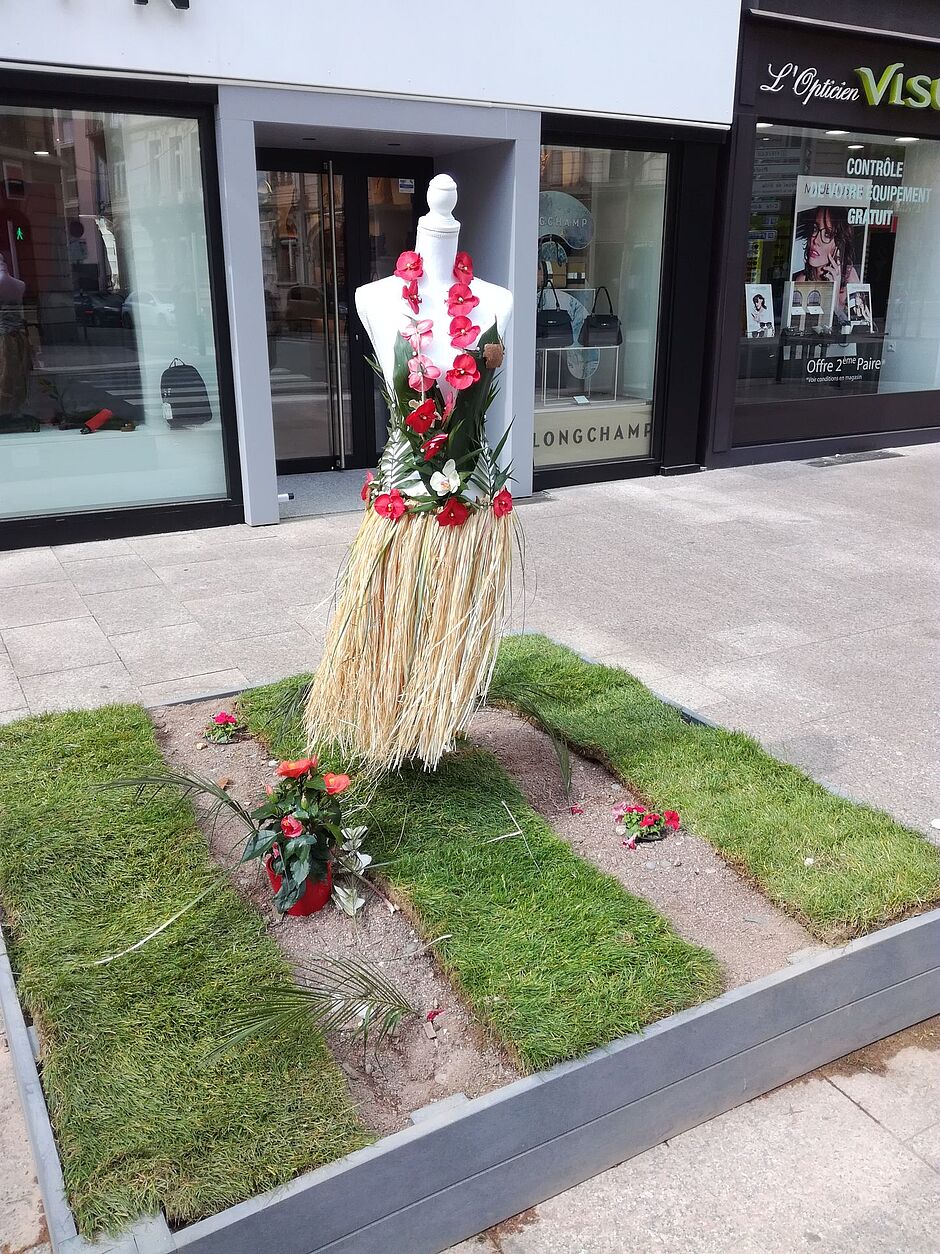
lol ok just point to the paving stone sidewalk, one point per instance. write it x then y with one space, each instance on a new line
795 601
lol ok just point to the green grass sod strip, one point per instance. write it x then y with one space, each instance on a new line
765 817
144 1119
554 956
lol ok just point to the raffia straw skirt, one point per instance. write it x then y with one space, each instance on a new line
413 640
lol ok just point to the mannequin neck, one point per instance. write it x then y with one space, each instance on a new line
438 250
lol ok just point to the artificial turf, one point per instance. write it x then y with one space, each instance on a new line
554 956
763 816
144 1116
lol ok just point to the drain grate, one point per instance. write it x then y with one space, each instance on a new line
840 459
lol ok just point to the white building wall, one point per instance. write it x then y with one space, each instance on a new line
670 60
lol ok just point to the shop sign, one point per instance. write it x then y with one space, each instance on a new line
566 436
852 368
891 86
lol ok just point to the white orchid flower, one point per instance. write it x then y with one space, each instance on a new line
447 480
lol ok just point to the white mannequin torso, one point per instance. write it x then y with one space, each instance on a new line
383 311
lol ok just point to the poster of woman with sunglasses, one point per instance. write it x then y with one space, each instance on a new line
827 247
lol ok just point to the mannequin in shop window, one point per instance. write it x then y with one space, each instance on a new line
15 356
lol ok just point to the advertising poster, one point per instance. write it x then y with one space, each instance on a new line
829 234
759 308
858 303
808 307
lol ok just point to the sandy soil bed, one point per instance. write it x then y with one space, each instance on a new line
682 876
409 1072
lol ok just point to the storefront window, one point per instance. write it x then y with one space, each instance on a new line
840 296
108 379
601 214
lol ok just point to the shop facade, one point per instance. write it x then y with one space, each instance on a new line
829 317
190 197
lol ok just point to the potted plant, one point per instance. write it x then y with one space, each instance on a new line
295 833
222 728
636 823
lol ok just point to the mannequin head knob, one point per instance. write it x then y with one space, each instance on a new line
442 197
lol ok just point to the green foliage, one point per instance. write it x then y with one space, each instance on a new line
554 956
146 1115
765 817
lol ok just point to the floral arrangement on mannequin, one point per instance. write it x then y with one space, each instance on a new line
422 600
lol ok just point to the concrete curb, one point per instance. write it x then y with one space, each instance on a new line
480 1161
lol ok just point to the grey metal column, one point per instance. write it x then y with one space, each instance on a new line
241 237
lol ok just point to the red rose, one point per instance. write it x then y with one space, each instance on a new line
410 293
649 820
502 503
464 372
370 478
460 300
671 819
389 505
430 448
409 266
454 513
421 417
291 826
463 267
335 783
462 332
294 770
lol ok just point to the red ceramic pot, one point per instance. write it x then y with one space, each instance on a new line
316 892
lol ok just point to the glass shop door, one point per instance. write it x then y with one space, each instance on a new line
326 229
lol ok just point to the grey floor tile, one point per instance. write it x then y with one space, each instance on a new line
84 688
24 566
82 551
266 658
40 603
239 614
11 693
136 609
897 1081
10 716
193 687
166 653
44 648
108 574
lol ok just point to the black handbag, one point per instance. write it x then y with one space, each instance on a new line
553 327
601 330
184 395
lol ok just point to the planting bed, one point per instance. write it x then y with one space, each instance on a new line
501 899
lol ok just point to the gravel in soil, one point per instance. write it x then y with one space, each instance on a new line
417 1067
705 899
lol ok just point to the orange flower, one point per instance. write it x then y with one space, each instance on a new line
294 770
335 783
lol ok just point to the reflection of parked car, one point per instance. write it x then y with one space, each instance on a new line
143 309
99 309
304 304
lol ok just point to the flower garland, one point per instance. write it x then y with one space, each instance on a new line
442 483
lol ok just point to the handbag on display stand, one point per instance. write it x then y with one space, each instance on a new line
553 327
601 330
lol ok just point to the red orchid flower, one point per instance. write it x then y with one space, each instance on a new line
502 502
464 372
421 417
448 408
294 770
671 819
291 826
335 784
417 331
370 478
430 448
410 293
462 332
390 505
421 372
409 267
454 513
460 300
223 717
463 267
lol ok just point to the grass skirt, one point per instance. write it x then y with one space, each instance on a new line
413 640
